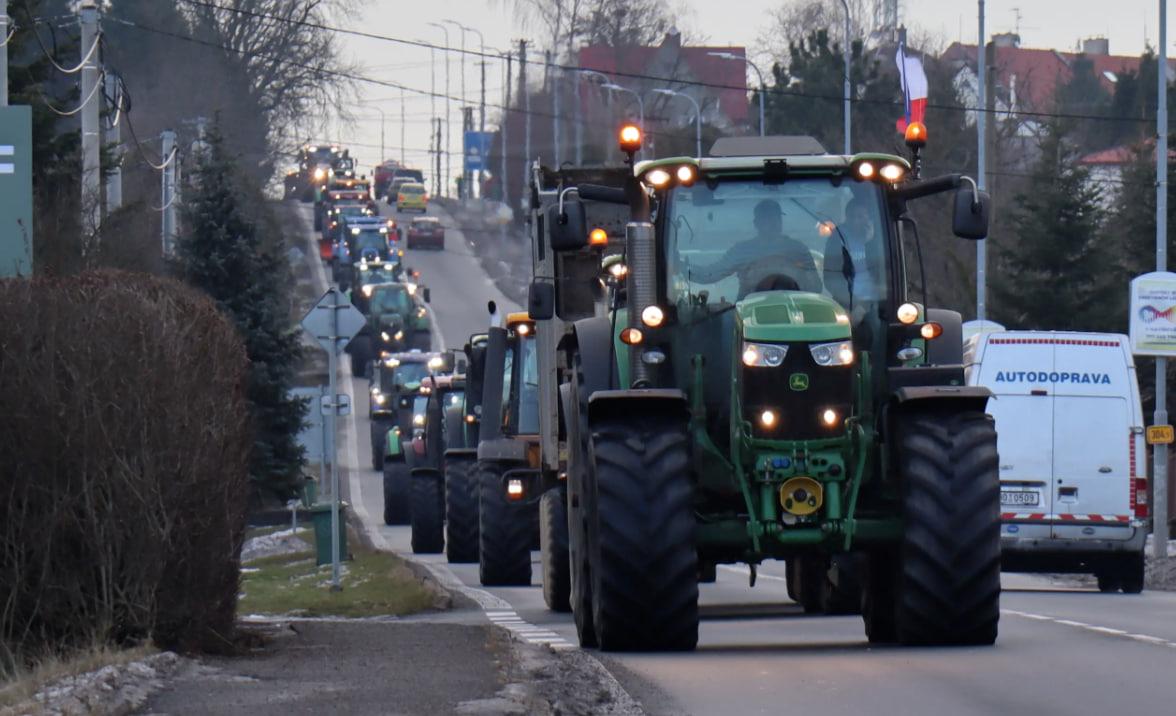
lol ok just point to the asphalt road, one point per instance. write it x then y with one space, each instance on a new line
1061 650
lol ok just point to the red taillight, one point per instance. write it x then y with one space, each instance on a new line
1139 501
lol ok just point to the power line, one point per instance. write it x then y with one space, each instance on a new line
49 55
634 75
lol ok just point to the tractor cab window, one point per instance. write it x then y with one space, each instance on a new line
507 375
527 396
728 239
401 375
420 406
391 299
369 241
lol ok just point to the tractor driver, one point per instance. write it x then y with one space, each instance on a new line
767 261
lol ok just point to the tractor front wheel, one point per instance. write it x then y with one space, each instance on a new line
504 535
644 564
461 510
428 513
948 589
396 488
553 549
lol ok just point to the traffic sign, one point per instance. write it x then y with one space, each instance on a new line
333 335
16 190
341 406
1153 314
1160 435
477 146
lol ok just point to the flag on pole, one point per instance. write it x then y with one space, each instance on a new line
914 88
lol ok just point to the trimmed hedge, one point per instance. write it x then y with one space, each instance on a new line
124 447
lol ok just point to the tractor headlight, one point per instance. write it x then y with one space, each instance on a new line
891 172
319 174
830 354
421 312
355 232
367 291
657 178
763 355
418 420
399 335
380 398
385 336
653 316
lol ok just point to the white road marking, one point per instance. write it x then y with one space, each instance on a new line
740 569
1104 631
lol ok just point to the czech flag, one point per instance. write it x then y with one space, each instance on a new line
914 89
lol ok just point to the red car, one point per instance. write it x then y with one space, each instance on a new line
425 231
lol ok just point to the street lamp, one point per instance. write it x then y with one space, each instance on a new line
697 116
845 61
445 178
465 184
763 87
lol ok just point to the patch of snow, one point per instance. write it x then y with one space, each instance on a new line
277 543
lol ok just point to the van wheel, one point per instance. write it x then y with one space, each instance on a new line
1107 582
1131 577
949 568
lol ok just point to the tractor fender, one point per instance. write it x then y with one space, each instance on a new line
941 397
604 404
461 452
592 338
503 450
948 348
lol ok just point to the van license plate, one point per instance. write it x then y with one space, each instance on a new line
1010 497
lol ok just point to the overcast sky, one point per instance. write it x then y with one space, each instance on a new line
1057 24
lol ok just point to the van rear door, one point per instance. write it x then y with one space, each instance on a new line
1024 428
1092 434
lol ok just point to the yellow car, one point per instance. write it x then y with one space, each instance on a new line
412 197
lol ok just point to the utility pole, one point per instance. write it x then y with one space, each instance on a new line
578 122
467 126
114 140
981 160
482 121
3 53
401 128
505 123
445 179
168 196
1160 452
526 95
555 114
91 132
845 58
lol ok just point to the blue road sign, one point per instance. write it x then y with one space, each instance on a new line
477 146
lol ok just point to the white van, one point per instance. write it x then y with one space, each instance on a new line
1073 485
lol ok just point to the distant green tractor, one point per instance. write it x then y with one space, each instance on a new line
392 430
396 321
763 387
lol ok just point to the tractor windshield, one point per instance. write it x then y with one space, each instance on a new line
738 236
391 299
401 375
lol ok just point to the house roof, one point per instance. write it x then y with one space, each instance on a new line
683 63
1120 155
1038 72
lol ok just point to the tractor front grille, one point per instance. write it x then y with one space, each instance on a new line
798 410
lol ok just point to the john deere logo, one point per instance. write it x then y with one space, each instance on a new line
798 381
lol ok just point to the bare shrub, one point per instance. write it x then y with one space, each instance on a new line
123 464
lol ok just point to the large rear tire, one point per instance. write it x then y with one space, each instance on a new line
504 535
396 488
842 592
579 503
878 596
461 510
644 565
553 549
379 436
948 590
360 350
428 513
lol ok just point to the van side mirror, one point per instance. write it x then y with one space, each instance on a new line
569 228
971 211
541 301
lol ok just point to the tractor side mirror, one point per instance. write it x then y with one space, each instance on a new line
426 294
971 212
540 301
569 228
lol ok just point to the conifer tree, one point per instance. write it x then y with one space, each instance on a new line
222 251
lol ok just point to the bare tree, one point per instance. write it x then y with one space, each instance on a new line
795 19
566 24
293 65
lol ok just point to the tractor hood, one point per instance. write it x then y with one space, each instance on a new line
792 316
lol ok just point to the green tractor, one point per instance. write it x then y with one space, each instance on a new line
397 321
392 426
763 387
440 403
460 460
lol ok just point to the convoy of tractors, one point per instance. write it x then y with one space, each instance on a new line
720 362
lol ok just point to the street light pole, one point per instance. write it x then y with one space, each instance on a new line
845 60
1160 453
763 86
465 180
697 116
445 172
981 160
